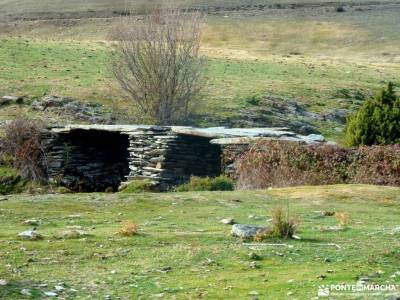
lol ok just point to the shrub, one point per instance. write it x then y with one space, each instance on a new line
283 163
343 218
22 143
138 186
220 183
377 122
10 181
129 228
282 225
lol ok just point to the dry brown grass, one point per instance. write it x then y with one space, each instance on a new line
343 218
128 228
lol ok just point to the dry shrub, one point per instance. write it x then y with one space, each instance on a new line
129 228
283 163
283 226
261 235
343 218
23 144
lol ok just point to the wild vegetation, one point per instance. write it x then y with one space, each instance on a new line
157 63
288 52
377 122
182 251
278 163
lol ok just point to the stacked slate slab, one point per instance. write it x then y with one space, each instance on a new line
99 157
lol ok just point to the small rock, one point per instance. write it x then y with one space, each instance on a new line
160 295
254 265
72 234
32 222
166 269
51 294
59 288
10 100
246 231
31 235
227 221
254 256
3 282
107 297
26 292
327 260
253 293
322 276
209 262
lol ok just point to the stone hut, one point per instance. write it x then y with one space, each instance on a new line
96 157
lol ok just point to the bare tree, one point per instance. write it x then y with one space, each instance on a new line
156 61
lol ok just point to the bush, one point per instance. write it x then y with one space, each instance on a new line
22 143
282 225
138 186
282 163
377 122
220 183
10 181
129 228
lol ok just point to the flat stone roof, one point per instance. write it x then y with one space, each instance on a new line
218 135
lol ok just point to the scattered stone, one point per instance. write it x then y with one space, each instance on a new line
73 234
10 100
74 216
51 294
254 256
253 293
228 221
31 235
26 292
327 213
245 231
3 282
322 276
363 281
327 260
254 265
166 269
209 262
107 297
59 288
160 295
90 112
32 222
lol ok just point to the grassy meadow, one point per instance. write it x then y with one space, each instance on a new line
184 252
313 54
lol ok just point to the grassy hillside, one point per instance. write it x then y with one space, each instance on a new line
311 53
181 233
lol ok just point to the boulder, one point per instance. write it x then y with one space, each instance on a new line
10 100
246 231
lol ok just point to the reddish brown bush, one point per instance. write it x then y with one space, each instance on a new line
280 163
22 143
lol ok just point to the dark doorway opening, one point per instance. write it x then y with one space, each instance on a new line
93 160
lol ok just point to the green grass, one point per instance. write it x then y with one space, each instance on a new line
310 54
182 231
